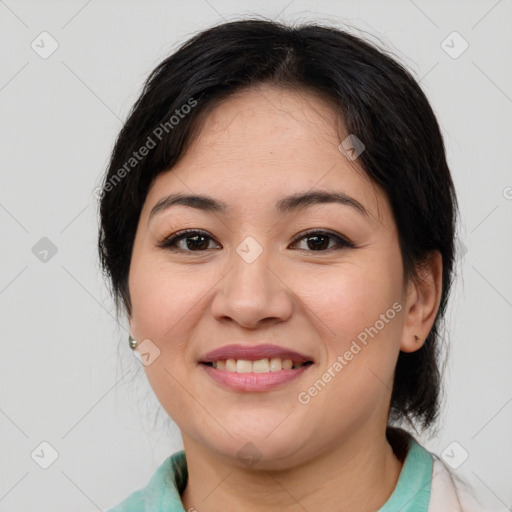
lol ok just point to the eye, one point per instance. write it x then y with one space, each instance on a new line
318 241
194 241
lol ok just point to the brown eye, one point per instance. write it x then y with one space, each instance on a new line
187 241
199 241
319 241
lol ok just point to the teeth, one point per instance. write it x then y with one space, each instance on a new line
274 364
287 364
230 365
243 366
261 366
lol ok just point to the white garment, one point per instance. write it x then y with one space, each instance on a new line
447 495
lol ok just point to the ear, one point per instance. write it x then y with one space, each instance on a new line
423 297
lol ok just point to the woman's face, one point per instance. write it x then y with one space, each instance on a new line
262 273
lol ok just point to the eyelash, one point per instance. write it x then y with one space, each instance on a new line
170 242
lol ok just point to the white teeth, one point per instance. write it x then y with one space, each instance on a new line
261 366
243 366
231 365
287 364
274 364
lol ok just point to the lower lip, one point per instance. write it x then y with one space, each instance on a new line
253 381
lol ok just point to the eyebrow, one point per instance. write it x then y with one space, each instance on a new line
287 204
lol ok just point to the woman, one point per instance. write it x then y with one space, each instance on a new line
277 222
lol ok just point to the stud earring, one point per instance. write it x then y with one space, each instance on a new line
133 343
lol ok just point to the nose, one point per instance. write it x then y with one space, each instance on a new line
252 294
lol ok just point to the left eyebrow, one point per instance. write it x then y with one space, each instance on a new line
285 205
306 199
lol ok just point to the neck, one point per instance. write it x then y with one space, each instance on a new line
358 474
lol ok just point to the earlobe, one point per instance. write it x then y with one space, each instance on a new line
422 303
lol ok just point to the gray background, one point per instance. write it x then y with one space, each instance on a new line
68 377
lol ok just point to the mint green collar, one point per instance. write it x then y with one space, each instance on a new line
162 493
164 489
412 491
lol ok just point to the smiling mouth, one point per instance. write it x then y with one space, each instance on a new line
265 365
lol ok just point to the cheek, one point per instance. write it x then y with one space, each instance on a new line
347 300
164 297
358 311
359 316
166 307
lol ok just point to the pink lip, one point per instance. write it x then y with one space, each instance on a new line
253 353
253 381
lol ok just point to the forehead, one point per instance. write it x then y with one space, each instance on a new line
264 143
271 122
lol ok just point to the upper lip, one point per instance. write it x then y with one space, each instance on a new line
252 353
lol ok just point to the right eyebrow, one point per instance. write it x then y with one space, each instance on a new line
200 202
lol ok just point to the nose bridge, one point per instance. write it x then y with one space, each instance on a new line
251 292
251 270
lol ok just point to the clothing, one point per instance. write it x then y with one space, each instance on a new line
424 485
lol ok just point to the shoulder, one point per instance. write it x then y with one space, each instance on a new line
449 491
133 503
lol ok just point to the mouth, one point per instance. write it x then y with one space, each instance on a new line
254 368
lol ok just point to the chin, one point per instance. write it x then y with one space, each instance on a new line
261 451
